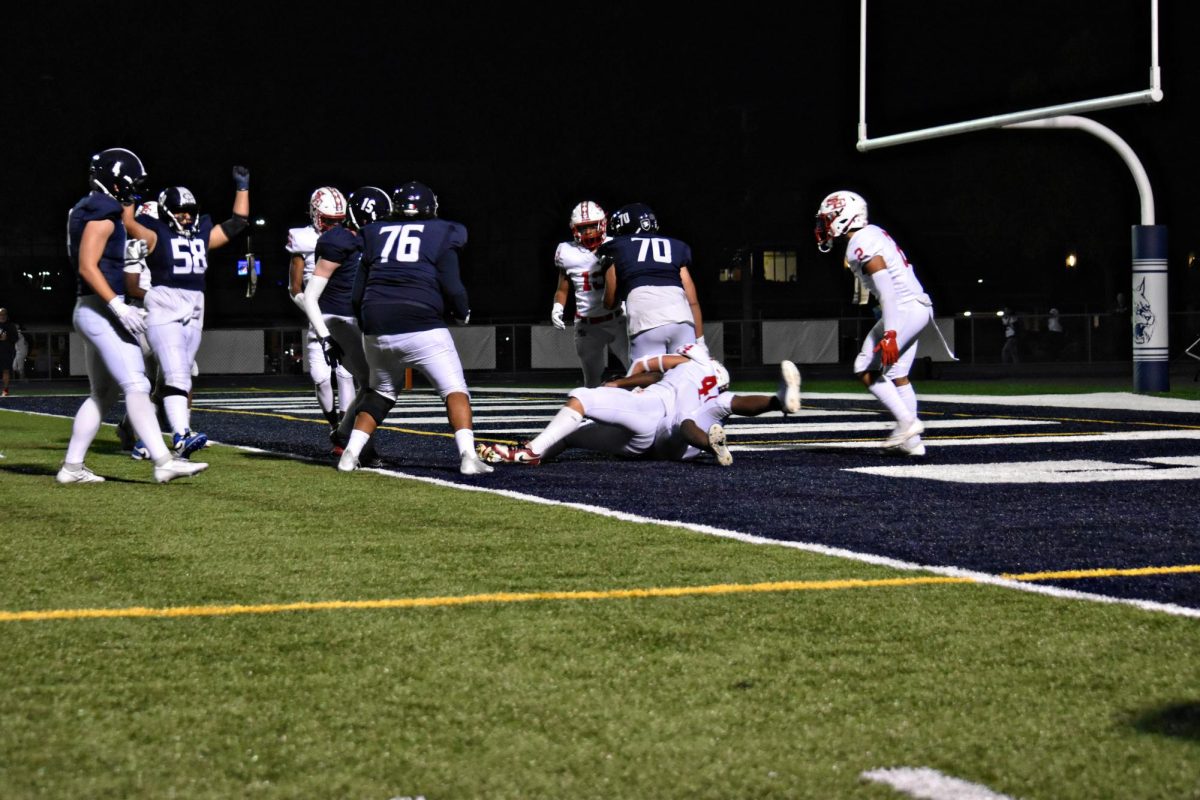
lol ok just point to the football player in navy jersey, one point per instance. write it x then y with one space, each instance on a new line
328 302
178 241
410 275
96 247
650 273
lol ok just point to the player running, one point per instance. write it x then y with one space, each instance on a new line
888 351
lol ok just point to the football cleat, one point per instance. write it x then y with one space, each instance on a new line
337 445
515 455
139 451
789 387
178 468
80 475
348 462
472 465
904 431
486 453
183 446
912 447
716 440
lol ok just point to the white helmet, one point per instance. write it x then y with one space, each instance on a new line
589 224
839 212
326 208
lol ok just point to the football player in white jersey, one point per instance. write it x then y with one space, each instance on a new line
597 329
890 347
326 208
673 414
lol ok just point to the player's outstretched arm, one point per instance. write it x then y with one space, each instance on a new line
227 230
136 230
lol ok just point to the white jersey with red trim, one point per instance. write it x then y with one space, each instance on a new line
583 270
684 390
303 242
871 241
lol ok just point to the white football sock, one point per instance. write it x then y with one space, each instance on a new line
346 393
465 439
909 396
176 406
84 430
144 419
885 392
563 425
358 440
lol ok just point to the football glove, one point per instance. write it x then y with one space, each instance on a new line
241 179
556 316
889 351
136 251
133 319
333 351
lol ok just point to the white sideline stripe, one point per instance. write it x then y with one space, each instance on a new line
810 547
929 784
1115 436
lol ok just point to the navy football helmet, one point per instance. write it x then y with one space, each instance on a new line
118 173
173 203
414 200
369 204
633 218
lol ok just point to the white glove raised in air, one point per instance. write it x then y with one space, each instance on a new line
557 318
134 319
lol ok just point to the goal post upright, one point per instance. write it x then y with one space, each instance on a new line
1150 296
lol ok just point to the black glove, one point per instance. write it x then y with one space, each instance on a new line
333 352
241 179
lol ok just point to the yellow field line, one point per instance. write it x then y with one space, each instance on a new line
526 597
290 418
1079 574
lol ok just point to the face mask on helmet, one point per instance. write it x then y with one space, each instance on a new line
589 224
632 219
326 208
414 200
839 213
369 204
178 206
118 173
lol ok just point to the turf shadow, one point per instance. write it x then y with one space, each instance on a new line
1178 720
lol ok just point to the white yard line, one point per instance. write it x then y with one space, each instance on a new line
929 784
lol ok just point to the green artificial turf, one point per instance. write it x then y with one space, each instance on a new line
782 694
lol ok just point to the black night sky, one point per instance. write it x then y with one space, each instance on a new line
731 125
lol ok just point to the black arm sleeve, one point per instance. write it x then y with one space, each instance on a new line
235 225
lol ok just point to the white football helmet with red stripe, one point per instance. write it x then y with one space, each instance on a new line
839 212
589 224
326 208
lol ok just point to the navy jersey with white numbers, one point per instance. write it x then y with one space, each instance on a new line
178 260
341 246
410 275
645 261
97 206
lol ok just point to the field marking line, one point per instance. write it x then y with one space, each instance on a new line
235 609
929 784
467 600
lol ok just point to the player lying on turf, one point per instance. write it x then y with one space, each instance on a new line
673 413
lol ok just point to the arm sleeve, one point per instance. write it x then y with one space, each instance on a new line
312 308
